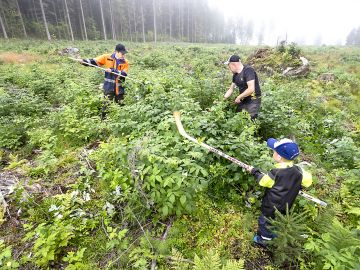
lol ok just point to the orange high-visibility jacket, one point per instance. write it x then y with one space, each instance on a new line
120 66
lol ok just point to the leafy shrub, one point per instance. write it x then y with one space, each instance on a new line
50 239
342 153
6 260
350 194
334 247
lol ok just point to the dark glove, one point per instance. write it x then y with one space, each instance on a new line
255 171
85 62
123 73
114 71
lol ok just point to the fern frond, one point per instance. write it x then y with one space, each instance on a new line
177 260
210 261
234 265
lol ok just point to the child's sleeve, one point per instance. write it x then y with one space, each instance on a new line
264 180
307 178
126 67
100 61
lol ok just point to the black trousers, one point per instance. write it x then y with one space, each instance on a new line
252 107
109 97
263 229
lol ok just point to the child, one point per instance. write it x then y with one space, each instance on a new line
113 84
282 184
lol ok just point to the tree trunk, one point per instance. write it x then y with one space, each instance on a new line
188 23
112 21
182 23
3 27
194 29
68 18
56 19
135 21
154 11
83 19
179 22
122 31
34 11
44 18
170 20
143 23
80 25
102 19
129 23
21 18
67 34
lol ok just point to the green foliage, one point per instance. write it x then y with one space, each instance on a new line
6 260
75 260
97 194
50 239
350 195
18 108
290 230
334 246
343 153
291 49
211 260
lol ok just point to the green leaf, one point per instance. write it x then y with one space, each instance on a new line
183 199
354 210
172 198
122 233
326 237
158 177
165 210
204 172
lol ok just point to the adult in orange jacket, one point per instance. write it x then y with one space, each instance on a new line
113 63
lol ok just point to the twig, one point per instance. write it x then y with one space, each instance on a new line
86 159
168 226
118 258
141 229
102 225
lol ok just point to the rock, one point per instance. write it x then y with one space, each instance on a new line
8 182
300 71
74 52
3 206
326 77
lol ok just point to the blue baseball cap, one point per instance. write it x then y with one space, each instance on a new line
286 148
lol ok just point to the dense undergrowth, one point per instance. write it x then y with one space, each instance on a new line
101 195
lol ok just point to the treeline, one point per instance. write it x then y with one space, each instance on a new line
132 20
354 37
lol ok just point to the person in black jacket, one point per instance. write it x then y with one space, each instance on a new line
282 184
246 79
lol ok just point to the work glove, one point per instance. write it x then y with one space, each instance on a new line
85 62
123 73
255 171
114 71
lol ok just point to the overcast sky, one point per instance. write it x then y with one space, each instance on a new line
304 21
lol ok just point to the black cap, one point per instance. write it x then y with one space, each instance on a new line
120 48
233 58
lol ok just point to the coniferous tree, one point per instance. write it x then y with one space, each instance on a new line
3 27
44 19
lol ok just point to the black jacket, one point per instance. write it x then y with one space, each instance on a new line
283 185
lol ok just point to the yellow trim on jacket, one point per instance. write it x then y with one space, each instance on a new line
268 182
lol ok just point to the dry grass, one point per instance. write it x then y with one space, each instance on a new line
17 58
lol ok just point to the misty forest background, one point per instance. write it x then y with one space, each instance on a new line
135 21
